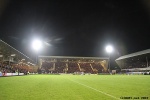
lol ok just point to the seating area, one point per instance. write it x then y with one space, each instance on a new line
14 61
135 62
87 68
47 67
15 68
71 67
59 67
97 67
6 68
136 65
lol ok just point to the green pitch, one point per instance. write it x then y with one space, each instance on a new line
74 87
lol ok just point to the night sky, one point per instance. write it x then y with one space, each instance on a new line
76 28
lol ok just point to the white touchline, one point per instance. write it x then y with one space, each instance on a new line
95 89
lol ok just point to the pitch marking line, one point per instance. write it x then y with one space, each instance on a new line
95 89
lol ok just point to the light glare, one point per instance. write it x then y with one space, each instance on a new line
109 49
37 45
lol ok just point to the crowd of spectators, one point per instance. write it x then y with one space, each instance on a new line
13 68
6 68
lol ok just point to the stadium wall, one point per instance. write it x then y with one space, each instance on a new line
11 74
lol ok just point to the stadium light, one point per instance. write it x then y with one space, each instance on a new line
109 50
37 45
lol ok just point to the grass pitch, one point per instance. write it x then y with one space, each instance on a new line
74 87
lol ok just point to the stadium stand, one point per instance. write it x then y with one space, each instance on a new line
13 61
135 63
73 67
86 67
64 64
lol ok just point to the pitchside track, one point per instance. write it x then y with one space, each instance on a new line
74 87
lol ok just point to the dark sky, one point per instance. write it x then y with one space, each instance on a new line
76 28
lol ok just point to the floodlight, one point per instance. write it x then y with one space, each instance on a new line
109 49
37 45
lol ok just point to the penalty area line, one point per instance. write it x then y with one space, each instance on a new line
95 89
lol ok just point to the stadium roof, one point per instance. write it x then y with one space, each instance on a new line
134 54
73 57
16 50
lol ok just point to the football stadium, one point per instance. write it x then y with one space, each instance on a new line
72 78
74 50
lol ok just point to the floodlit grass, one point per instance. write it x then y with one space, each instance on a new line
74 87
